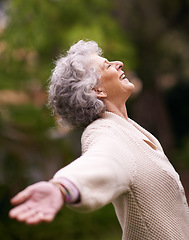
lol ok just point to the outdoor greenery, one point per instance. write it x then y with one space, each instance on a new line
150 37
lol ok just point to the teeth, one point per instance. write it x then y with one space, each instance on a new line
122 76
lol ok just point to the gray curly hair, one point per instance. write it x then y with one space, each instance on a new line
70 90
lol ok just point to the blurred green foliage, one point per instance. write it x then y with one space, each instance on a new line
150 37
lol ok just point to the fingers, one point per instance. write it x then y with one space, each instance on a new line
30 216
24 215
39 217
17 211
36 203
21 196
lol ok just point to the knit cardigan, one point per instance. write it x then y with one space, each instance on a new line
124 164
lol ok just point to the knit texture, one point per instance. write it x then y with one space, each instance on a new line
124 164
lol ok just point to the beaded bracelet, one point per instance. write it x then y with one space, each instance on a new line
64 191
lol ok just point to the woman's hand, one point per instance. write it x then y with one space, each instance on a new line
39 202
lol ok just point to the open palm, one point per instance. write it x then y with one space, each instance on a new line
37 203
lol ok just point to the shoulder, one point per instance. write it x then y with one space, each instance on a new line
101 132
105 132
105 138
98 128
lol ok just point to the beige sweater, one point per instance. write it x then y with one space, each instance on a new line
124 164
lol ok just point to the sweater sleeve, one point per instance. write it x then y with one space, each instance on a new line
102 173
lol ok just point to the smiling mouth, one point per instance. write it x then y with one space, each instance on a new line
122 77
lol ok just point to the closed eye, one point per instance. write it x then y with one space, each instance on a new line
108 66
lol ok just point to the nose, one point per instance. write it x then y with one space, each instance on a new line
118 65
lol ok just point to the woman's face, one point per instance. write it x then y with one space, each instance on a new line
113 80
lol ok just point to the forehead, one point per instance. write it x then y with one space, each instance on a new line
99 61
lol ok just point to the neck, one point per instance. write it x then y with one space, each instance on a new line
119 110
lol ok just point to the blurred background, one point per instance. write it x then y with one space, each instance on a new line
150 37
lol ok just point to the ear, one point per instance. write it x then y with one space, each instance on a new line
100 93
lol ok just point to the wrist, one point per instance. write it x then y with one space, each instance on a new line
69 192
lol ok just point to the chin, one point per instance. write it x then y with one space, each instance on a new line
129 86
129 89
132 86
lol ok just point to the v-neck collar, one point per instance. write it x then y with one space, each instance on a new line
130 124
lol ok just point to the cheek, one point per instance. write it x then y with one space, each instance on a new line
111 75
109 78
113 72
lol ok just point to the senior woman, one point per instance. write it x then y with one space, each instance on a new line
120 163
